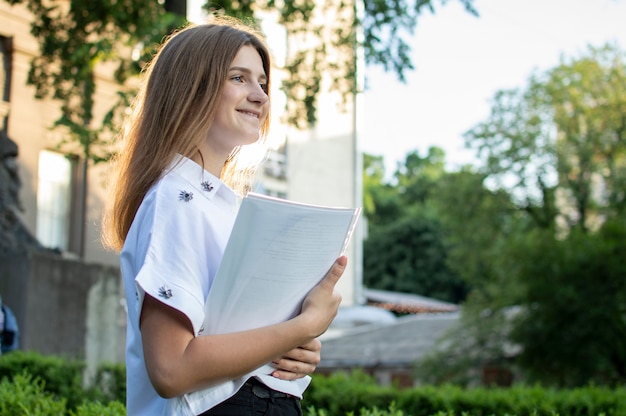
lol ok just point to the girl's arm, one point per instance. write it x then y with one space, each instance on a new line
178 362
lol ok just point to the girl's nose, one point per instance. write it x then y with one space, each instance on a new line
258 94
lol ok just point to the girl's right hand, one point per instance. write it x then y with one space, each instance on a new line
321 304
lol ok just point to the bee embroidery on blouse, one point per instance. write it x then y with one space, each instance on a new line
207 186
185 196
165 292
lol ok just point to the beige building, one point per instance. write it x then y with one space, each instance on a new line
316 166
322 165
51 183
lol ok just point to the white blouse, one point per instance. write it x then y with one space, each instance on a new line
172 252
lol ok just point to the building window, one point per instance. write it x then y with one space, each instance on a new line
54 200
6 53
276 165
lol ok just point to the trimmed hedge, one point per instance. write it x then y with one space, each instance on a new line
24 395
341 394
36 385
62 379
58 377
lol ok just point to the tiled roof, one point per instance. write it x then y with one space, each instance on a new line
406 302
387 345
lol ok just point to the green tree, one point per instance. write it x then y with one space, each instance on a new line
465 222
478 223
405 250
589 100
559 148
473 219
375 191
560 145
417 176
408 256
572 328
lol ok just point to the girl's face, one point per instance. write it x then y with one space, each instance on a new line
243 105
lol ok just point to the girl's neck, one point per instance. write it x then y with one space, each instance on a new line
209 161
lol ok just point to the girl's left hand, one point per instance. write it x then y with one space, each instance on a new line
298 362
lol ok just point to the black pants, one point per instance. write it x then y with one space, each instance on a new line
255 398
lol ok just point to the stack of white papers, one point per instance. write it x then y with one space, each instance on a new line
277 252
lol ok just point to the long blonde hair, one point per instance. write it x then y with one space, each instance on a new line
172 114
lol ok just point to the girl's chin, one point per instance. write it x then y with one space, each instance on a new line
250 140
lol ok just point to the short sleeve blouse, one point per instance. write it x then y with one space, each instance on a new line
172 253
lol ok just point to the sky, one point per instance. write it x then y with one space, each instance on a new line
462 60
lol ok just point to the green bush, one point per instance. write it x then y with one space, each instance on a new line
35 385
113 408
60 377
341 394
109 383
63 378
25 395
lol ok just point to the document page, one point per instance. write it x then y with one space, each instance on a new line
277 252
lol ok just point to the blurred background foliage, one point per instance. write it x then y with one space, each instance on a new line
530 239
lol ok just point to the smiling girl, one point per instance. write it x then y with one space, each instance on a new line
178 183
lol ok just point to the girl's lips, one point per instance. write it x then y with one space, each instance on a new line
250 113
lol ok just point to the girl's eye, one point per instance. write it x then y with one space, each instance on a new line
241 79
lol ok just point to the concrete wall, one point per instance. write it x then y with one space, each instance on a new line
65 307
